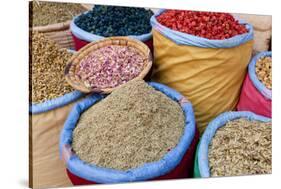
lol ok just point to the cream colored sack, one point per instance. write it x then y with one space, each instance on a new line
47 170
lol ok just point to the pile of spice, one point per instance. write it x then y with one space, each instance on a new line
263 70
110 21
47 69
134 125
110 66
241 147
44 13
210 25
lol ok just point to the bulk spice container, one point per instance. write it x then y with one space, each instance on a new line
104 65
50 104
204 56
176 163
256 93
254 139
108 21
53 19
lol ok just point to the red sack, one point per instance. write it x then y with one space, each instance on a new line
255 97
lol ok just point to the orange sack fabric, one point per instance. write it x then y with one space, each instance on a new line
211 78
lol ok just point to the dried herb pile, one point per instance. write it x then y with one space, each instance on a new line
44 13
47 69
110 66
264 72
135 124
241 147
111 21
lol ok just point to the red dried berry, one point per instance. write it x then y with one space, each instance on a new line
209 25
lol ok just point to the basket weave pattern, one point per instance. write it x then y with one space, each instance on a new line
73 65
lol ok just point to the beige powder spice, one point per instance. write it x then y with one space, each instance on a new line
134 125
47 66
241 147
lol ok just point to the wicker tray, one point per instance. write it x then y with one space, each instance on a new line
72 66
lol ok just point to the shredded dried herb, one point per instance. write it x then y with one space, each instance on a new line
134 125
241 147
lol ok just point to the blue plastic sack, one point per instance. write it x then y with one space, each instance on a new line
213 126
147 171
37 108
89 37
181 38
267 93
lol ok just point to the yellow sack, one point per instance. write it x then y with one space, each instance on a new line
211 78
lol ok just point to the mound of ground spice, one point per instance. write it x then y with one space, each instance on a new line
47 66
241 147
134 125
110 66
44 13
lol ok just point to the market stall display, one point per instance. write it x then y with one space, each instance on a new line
139 113
53 19
106 64
109 21
128 129
256 94
208 72
233 144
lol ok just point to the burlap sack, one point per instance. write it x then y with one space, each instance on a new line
46 168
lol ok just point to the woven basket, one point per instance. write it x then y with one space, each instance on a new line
60 32
73 65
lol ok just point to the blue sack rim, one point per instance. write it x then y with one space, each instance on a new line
89 37
267 93
181 38
213 126
37 108
147 171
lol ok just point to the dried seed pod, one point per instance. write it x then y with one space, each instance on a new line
47 69
241 147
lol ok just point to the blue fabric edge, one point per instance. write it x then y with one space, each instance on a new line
267 93
181 38
37 108
213 126
145 172
89 37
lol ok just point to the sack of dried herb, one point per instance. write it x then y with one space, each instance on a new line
256 92
48 88
148 129
109 21
233 144
53 19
